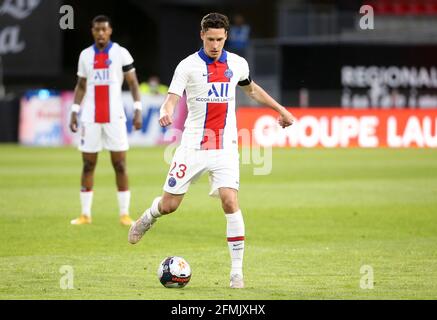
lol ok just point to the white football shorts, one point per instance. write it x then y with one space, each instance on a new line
188 165
95 136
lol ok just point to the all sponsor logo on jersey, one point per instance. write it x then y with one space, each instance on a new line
101 75
218 92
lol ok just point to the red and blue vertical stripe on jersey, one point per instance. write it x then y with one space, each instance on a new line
216 112
101 92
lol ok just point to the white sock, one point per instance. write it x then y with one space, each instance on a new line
123 201
235 234
154 209
86 201
153 212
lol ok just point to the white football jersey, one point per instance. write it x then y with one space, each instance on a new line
103 71
210 87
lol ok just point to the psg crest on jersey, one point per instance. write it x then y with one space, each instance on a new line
229 73
108 62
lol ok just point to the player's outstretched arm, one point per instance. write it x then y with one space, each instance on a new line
134 87
79 93
167 109
257 93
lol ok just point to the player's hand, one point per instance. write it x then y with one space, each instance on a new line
286 119
73 122
165 120
138 120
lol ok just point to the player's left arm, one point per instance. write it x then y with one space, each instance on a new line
258 94
132 81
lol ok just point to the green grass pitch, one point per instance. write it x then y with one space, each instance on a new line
311 225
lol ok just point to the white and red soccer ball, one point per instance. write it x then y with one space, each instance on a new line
174 272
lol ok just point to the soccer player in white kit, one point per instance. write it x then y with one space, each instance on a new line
210 139
101 72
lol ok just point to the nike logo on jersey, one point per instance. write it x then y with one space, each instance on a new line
208 74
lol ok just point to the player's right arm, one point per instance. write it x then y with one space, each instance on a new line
167 109
79 93
175 92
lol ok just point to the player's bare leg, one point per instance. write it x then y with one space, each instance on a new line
118 160
87 182
164 205
235 234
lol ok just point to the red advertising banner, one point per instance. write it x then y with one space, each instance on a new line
340 128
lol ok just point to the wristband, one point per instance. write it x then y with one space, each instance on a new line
75 108
138 105
162 113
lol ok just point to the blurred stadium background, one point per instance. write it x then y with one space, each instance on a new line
333 210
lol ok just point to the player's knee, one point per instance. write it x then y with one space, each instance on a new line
230 205
119 166
89 166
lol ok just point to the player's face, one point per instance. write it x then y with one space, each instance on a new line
213 42
102 32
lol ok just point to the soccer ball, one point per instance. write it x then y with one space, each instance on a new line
174 272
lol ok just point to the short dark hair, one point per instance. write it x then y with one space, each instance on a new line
101 18
214 21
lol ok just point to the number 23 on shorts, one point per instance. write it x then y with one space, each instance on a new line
181 170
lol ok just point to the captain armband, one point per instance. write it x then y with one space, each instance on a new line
128 68
245 82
